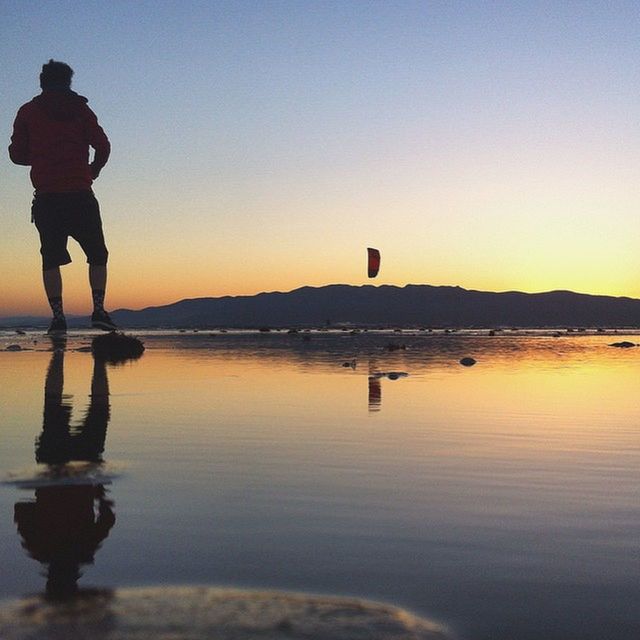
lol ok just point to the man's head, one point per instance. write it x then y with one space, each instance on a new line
56 75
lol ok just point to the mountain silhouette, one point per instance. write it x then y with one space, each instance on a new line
386 306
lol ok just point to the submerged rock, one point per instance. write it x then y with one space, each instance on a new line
395 375
623 345
200 613
14 347
467 362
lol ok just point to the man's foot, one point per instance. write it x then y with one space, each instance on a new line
101 320
58 327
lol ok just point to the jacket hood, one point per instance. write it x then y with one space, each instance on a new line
61 105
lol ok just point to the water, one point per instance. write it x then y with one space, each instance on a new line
500 499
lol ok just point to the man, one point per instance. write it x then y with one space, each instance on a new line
52 134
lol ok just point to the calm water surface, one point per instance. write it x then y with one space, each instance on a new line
500 499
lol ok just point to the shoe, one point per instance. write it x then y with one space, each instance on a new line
101 320
57 327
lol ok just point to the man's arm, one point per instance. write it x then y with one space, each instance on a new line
99 141
19 147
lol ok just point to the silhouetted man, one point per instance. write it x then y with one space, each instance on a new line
52 134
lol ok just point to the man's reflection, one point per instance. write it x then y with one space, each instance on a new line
66 524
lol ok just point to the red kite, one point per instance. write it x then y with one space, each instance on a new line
373 262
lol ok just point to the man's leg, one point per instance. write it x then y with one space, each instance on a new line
52 280
98 281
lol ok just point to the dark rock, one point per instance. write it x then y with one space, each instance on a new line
467 362
14 347
20 332
292 331
623 345
116 348
264 330
393 346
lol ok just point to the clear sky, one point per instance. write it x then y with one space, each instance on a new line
262 146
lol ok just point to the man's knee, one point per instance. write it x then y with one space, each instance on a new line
98 258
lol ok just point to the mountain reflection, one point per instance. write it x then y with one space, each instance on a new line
72 514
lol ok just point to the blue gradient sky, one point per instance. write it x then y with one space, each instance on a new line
263 145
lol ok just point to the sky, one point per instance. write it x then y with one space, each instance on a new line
262 146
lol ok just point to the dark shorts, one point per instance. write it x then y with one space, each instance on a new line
60 215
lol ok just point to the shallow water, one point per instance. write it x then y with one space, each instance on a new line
500 499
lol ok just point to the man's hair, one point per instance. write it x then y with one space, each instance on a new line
56 75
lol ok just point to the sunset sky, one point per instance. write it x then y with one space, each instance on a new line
262 146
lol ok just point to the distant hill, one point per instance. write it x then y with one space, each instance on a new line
412 305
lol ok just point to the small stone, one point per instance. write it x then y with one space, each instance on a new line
467 362
14 347
623 345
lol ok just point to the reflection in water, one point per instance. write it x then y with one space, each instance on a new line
66 524
375 393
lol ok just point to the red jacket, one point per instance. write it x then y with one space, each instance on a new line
52 134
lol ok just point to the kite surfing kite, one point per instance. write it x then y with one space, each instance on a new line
373 262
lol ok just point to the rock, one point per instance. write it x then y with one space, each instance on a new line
623 345
14 347
200 613
394 346
467 362
116 348
20 332
84 349
264 330
292 331
395 375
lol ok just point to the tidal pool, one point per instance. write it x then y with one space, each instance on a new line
501 499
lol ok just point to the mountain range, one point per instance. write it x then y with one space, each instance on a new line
386 305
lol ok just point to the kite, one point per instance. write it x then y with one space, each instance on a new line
373 262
